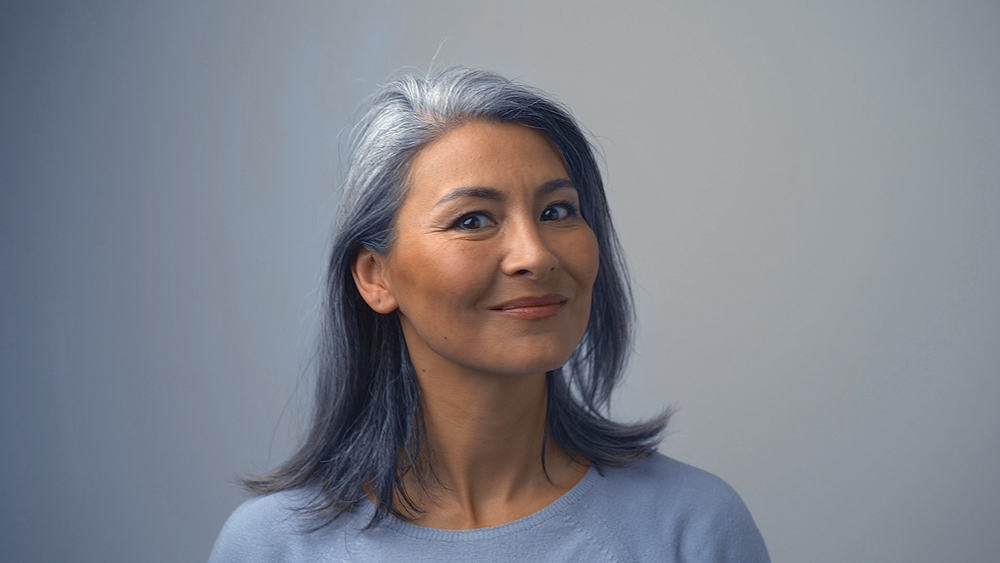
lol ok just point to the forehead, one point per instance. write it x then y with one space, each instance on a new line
502 156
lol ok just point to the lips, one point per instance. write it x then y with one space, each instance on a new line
532 307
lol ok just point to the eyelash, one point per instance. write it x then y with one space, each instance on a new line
569 208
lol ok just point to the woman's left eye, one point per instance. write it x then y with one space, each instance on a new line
558 212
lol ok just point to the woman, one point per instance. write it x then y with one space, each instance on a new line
478 317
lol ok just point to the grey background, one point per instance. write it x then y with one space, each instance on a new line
808 193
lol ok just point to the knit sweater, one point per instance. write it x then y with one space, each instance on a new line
657 509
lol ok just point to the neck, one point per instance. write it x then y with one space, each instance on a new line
485 435
484 427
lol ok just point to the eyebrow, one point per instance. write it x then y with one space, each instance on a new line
497 195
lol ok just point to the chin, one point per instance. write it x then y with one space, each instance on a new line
539 355
531 365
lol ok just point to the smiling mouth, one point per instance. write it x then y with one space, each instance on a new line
528 308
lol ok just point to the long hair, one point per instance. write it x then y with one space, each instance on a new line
367 426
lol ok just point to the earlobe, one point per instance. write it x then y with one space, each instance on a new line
368 270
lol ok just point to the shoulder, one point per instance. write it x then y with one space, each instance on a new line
272 528
688 511
657 478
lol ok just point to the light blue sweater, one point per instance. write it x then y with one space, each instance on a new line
657 509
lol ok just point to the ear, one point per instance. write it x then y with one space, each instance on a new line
368 270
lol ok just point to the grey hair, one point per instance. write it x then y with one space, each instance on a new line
367 426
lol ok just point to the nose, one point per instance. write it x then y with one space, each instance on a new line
527 253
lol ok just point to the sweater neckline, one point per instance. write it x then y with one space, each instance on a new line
556 507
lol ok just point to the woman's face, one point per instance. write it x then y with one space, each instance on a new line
492 265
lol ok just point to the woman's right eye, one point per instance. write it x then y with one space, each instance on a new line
473 221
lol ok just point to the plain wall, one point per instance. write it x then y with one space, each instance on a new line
808 193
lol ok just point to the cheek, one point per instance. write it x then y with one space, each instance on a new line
586 259
436 278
